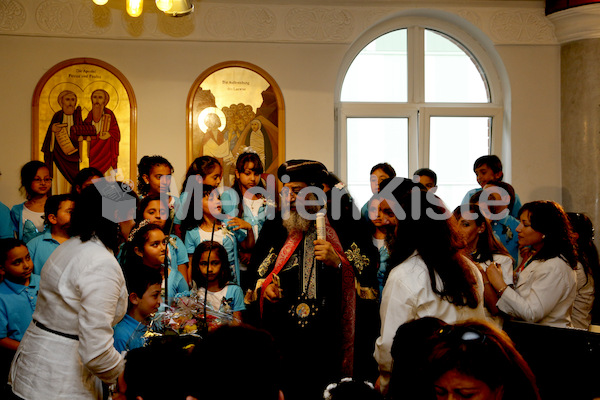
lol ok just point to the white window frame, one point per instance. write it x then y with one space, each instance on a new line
416 109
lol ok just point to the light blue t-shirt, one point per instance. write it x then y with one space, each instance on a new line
129 334
514 211
6 226
229 200
506 232
40 248
17 303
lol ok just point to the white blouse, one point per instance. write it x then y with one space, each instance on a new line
408 295
581 316
544 293
82 292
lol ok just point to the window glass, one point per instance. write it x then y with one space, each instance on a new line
372 141
454 144
378 73
451 75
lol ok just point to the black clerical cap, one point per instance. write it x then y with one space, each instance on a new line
313 173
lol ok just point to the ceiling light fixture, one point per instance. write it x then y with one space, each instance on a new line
174 8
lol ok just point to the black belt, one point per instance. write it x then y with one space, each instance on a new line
45 328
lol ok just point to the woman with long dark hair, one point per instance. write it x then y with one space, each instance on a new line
431 276
483 248
545 282
585 307
68 348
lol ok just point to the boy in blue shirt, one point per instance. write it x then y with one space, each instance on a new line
57 213
488 168
144 286
18 295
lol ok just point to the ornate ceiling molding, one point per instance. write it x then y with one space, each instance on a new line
577 23
503 22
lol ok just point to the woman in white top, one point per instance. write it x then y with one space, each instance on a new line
67 351
545 282
431 277
484 249
585 307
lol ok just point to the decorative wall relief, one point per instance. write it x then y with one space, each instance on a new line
240 22
521 27
55 16
319 24
12 15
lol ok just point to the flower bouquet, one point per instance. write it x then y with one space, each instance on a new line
186 316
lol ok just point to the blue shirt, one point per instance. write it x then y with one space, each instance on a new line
381 272
17 303
177 283
506 231
177 254
6 226
40 248
514 211
129 334
230 201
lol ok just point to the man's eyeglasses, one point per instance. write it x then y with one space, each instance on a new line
286 191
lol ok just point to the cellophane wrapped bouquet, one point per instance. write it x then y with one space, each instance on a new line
186 316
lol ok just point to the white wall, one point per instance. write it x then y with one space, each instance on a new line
161 73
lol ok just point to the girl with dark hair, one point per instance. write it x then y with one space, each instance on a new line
585 307
209 227
28 217
157 212
545 282
206 170
147 245
474 360
431 278
83 179
154 175
484 249
210 270
247 208
68 346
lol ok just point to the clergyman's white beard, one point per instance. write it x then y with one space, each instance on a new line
295 222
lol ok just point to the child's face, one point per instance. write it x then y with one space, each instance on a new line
495 196
62 218
210 272
18 265
89 181
150 301
469 231
156 213
154 179
376 177
427 182
211 204
155 249
381 214
214 178
248 178
42 182
485 174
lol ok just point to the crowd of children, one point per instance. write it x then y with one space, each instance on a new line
203 240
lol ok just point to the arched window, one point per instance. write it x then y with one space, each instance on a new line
424 94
